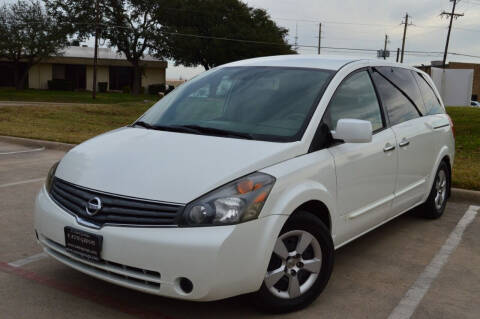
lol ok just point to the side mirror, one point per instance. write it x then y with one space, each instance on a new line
353 131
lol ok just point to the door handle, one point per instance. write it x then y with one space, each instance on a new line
404 142
388 147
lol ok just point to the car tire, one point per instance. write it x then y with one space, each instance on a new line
437 199
306 265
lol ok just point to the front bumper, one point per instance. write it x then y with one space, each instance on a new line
220 261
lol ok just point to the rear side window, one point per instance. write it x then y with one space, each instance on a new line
432 104
405 80
355 99
399 108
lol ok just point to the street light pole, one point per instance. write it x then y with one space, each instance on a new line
95 55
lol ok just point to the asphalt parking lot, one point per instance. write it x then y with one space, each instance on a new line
430 269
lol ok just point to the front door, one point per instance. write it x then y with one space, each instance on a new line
366 172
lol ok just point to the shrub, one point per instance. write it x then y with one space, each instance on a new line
155 88
169 89
102 87
60 85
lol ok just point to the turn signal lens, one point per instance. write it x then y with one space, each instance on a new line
245 186
451 125
235 202
257 186
260 198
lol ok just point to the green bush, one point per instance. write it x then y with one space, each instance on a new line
155 88
60 85
102 87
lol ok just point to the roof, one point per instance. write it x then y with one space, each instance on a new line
103 53
106 57
297 60
325 62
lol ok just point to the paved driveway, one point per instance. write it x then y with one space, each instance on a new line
371 277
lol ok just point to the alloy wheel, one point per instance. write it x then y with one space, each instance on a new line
295 264
441 189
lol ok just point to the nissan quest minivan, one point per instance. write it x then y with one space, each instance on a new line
248 177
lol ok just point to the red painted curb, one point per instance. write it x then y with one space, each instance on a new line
83 293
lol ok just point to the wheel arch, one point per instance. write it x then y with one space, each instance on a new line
318 209
445 154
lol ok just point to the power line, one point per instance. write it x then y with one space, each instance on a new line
335 22
303 46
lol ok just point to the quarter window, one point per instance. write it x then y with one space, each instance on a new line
432 104
399 108
355 99
405 80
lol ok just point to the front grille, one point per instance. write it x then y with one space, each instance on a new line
116 210
143 279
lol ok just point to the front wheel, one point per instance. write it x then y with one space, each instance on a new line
300 265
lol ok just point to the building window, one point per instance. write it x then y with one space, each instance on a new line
120 77
58 71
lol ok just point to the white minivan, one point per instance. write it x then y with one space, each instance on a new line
248 177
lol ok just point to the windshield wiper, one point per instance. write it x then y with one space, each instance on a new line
195 129
216 131
174 128
143 124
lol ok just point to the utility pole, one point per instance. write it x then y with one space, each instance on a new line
95 55
398 54
385 47
319 37
406 23
452 15
296 37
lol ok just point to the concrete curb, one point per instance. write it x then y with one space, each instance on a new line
465 195
37 143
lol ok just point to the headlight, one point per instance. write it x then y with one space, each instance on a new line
235 202
51 174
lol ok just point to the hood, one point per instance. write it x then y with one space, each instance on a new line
166 166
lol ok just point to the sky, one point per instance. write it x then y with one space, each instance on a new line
364 23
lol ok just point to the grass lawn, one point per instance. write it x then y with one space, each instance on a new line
69 124
466 170
74 124
10 94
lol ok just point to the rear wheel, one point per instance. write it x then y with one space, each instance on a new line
300 265
437 200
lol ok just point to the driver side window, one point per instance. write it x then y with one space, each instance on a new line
356 99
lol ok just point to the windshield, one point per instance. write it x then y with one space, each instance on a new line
262 103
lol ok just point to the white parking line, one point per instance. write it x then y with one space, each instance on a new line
23 182
25 151
25 261
417 291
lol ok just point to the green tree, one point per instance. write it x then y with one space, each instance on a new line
127 25
27 36
196 32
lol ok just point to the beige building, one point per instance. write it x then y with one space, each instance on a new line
76 66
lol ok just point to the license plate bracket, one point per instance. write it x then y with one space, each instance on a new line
83 244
